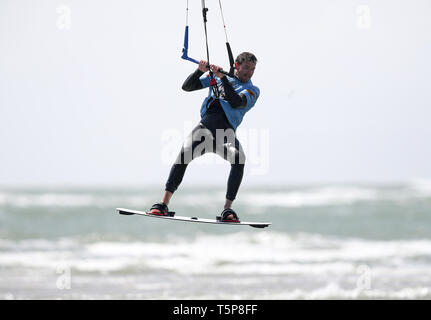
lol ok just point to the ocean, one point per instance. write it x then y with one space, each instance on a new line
328 241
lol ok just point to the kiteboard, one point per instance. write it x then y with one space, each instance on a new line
172 216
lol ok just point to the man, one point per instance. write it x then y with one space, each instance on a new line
221 113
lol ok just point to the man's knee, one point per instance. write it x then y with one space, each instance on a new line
240 156
236 156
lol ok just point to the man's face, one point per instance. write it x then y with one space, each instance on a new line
245 71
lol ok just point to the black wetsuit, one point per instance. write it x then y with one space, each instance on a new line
205 138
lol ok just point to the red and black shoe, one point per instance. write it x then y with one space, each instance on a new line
159 209
228 215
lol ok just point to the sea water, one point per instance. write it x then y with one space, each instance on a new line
335 241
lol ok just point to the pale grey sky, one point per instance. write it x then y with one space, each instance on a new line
89 90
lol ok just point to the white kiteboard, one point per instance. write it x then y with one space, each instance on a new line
193 219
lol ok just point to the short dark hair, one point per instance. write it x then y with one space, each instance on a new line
246 56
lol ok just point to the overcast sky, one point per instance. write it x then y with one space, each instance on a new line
90 91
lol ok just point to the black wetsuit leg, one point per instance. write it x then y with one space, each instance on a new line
197 143
203 139
235 155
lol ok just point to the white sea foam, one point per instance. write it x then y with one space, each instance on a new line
310 197
52 199
335 195
242 253
301 266
333 290
288 197
421 186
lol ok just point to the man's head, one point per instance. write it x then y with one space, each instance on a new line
245 64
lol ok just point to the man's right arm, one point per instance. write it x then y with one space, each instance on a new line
193 82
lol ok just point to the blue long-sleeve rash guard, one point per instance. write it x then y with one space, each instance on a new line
236 97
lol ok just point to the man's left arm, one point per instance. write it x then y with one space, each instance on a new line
235 100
